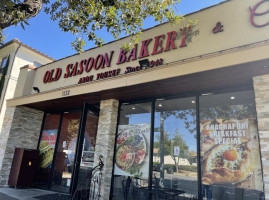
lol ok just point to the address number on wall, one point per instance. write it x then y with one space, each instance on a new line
65 93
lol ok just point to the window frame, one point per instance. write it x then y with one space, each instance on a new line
197 95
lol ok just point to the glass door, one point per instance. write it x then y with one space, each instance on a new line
67 146
66 150
86 146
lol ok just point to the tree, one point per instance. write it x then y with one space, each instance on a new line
177 140
85 18
166 145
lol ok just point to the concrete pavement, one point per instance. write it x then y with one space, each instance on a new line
22 194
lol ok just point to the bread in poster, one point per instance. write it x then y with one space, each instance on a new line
230 163
46 154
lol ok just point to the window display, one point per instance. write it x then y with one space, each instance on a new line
230 157
224 124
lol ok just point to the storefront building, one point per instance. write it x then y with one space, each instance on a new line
185 111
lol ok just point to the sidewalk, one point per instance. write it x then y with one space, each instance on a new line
30 194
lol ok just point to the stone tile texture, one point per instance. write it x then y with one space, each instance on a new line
261 89
105 142
21 129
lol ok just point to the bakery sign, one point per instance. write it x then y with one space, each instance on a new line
230 153
162 43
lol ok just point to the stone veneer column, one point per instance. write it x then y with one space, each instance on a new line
21 128
105 142
261 89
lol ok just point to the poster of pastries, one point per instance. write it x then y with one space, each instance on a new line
132 150
46 147
230 153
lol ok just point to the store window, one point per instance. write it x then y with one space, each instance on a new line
132 155
175 147
223 157
230 157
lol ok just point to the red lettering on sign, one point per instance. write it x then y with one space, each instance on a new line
158 43
66 75
74 70
144 50
58 74
122 57
89 64
171 36
46 77
108 60
99 59
184 31
218 28
132 54
82 62
253 14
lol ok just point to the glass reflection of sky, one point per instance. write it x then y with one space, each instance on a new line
171 124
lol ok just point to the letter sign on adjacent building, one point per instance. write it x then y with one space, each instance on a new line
253 13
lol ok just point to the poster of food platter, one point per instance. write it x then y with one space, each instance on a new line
132 150
46 147
230 153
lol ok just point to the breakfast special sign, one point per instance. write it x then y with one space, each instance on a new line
132 153
230 152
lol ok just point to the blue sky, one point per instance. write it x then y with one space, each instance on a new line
171 124
45 36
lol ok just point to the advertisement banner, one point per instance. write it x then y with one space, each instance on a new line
46 147
132 150
230 153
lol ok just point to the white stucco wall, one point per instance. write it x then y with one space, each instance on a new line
19 57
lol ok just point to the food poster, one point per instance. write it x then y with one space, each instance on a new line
46 147
230 153
87 157
132 150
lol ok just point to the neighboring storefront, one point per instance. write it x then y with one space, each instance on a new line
186 111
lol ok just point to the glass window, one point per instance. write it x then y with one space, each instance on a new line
230 157
175 146
4 62
132 154
47 148
37 64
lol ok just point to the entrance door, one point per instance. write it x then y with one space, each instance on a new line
87 140
74 148
66 151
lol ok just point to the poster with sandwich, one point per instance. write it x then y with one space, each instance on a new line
230 153
46 147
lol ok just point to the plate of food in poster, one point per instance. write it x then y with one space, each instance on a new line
131 151
230 153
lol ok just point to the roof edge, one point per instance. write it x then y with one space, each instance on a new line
17 41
